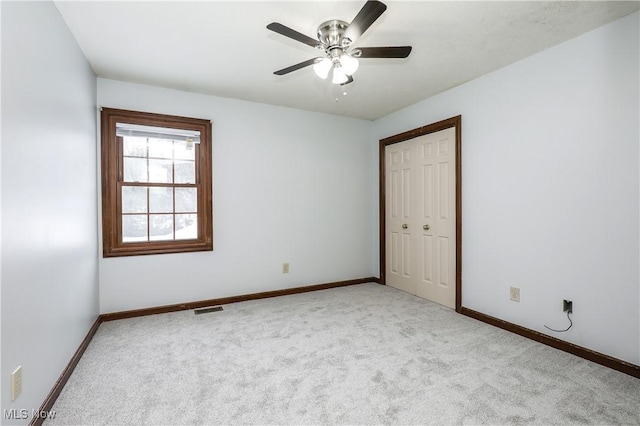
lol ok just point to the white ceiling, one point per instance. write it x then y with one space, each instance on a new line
224 49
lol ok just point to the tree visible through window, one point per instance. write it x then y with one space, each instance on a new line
156 173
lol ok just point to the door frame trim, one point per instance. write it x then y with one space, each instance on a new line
456 123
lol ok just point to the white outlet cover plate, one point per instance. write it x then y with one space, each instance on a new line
16 383
515 294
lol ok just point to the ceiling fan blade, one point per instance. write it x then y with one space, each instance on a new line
288 32
296 67
350 80
363 20
385 52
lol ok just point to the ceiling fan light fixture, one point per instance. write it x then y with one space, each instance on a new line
349 64
339 75
322 68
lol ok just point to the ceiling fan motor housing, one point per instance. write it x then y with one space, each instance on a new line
330 35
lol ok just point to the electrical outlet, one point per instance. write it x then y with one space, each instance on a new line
567 306
285 268
16 383
514 293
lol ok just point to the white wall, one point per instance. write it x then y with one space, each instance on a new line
550 187
49 207
289 186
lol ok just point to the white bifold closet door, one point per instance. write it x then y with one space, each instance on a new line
420 216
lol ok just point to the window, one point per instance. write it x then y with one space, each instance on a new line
156 184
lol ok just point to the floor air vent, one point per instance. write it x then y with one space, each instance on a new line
207 310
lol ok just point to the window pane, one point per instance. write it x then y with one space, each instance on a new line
185 172
135 169
160 148
160 171
134 228
186 200
160 200
134 199
161 227
184 151
134 147
186 226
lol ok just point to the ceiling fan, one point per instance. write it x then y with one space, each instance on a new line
336 39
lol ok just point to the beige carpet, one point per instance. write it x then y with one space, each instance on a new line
365 354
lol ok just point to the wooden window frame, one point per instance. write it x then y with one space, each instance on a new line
111 158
